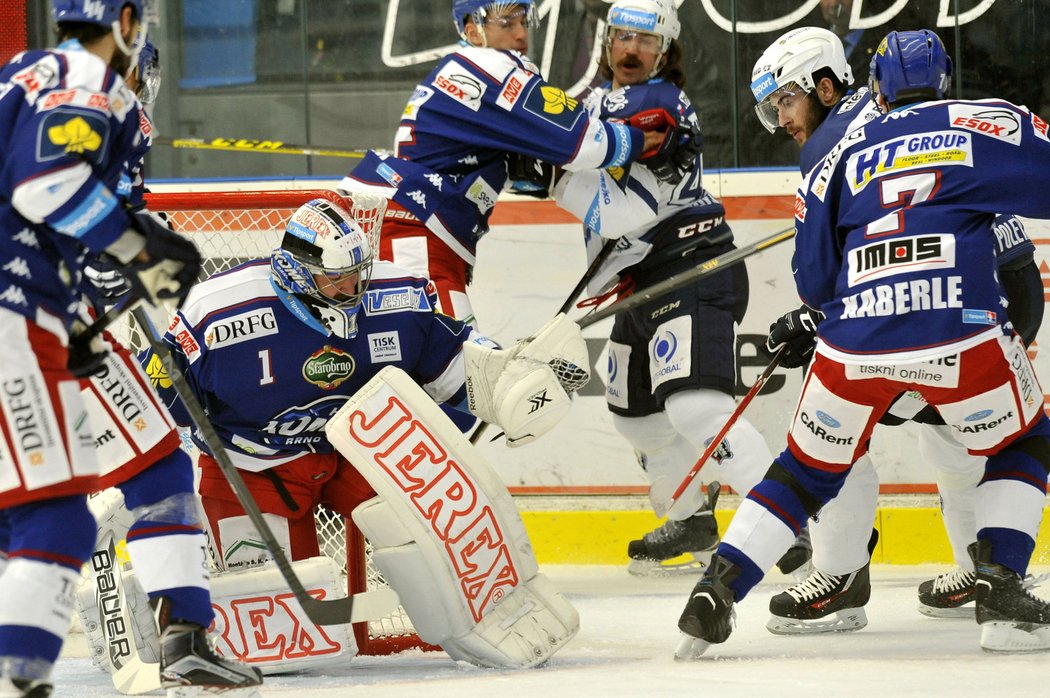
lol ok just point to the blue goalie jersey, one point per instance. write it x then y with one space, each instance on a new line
270 381
895 238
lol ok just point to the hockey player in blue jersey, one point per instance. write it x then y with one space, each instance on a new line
274 347
164 614
672 371
69 125
801 83
483 101
895 248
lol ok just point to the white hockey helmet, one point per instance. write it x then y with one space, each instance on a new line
791 61
659 17
323 240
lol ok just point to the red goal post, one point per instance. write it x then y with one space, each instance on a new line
231 228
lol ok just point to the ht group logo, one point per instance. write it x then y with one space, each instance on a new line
923 150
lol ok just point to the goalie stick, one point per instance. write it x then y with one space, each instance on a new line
713 446
677 281
320 612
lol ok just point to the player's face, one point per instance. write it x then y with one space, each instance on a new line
338 287
507 28
798 114
632 56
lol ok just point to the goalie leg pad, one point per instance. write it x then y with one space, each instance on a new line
447 534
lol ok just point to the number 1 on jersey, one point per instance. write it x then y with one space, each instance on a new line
267 369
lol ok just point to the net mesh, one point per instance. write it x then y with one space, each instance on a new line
231 228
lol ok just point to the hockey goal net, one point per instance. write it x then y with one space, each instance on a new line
231 228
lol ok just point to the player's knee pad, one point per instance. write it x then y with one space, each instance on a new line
665 456
446 534
786 471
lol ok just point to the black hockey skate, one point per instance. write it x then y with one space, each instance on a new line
1012 620
824 603
697 535
24 688
709 616
189 666
796 561
949 595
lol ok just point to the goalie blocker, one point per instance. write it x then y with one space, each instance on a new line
446 534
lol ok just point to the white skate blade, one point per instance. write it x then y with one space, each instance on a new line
690 648
1009 637
844 621
964 611
204 691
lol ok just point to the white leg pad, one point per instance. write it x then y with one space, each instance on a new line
446 533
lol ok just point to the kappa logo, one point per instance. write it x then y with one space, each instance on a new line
435 179
419 197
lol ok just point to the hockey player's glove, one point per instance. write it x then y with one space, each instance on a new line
676 155
530 176
797 333
86 349
173 265
106 278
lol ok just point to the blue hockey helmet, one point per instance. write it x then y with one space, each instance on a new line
325 257
101 12
479 9
910 66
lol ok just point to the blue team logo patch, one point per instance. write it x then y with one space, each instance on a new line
301 231
979 317
395 300
978 416
72 132
827 420
633 19
553 106
763 86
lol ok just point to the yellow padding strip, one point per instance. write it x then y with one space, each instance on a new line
907 536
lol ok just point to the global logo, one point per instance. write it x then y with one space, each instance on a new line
614 367
666 347
827 420
978 416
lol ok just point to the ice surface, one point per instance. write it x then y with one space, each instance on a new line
628 634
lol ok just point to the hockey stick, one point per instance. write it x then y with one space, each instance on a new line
713 446
249 145
603 255
330 612
677 281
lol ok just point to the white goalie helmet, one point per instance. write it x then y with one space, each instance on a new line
659 17
325 258
789 64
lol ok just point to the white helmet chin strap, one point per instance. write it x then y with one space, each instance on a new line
133 51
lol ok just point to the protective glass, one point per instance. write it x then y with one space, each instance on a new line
149 83
768 109
523 16
645 43
342 288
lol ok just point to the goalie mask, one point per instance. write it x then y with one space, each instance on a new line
787 68
325 262
481 10
910 66
647 21
147 74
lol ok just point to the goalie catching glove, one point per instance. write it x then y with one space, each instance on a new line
796 332
171 263
527 389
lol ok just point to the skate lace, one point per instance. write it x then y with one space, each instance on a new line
957 579
817 584
671 530
1031 582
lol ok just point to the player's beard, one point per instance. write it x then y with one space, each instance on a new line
120 63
